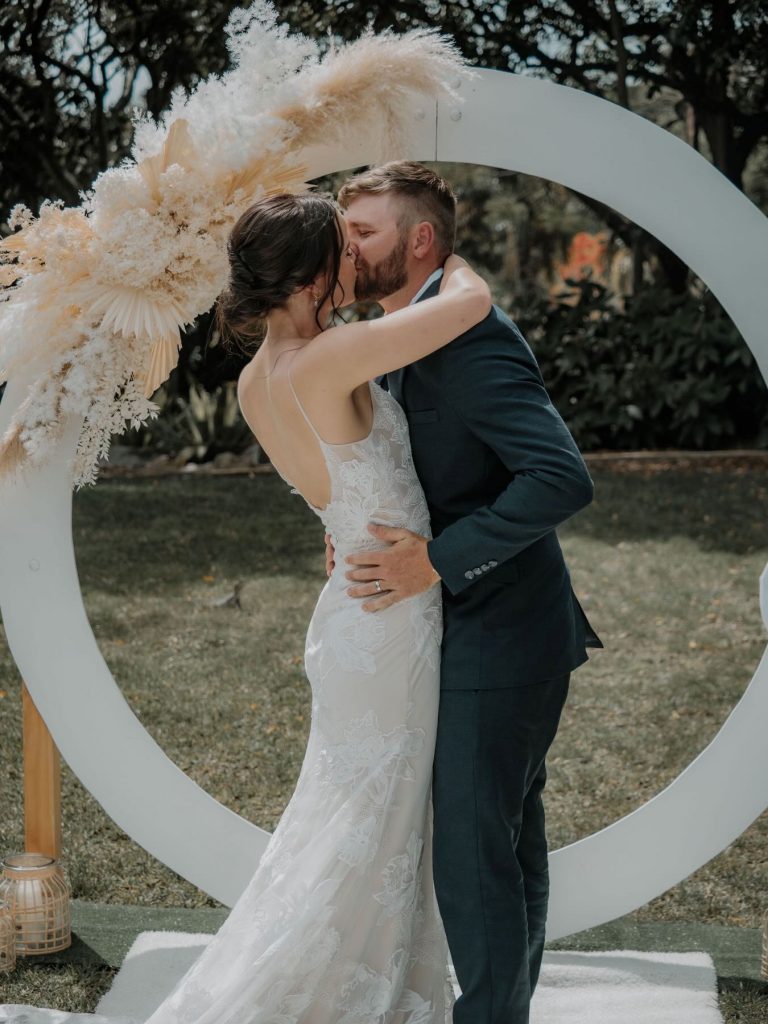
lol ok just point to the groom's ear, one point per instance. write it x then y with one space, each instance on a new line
423 240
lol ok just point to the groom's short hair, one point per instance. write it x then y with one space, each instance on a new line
425 194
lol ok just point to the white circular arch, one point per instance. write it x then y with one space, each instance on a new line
596 148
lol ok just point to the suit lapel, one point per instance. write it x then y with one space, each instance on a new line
395 384
397 378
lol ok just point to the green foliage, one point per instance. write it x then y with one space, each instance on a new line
669 371
199 424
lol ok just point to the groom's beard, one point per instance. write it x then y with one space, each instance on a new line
386 277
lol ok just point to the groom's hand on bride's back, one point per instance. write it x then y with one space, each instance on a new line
402 570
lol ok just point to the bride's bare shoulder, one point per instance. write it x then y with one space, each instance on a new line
245 382
315 366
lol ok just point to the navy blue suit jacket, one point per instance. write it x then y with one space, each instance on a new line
500 472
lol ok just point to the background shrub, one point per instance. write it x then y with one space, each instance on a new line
668 371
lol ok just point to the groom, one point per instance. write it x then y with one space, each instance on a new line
500 472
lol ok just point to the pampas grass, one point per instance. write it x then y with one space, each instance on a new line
96 295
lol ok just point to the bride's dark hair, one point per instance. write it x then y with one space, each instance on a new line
279 244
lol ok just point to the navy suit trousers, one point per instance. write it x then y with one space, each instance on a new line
490 848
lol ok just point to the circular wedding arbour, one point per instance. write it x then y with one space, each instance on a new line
519 124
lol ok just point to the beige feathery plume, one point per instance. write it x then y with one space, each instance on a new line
364 82
9 274
13 454
61 315
270 170
27 244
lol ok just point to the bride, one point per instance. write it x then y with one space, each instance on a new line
339 923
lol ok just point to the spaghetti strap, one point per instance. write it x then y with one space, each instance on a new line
321 441
310 424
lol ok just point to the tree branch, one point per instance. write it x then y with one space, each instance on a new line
617 31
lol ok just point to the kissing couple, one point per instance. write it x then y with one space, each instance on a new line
440 649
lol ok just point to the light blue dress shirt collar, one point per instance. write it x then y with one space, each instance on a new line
434 276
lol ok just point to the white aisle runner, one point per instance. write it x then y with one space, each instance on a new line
614 987
626 987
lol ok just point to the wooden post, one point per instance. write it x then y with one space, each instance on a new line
42 783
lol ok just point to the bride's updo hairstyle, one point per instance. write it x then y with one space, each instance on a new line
280 243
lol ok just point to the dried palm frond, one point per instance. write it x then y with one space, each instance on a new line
178 148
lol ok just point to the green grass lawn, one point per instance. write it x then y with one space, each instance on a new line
666 565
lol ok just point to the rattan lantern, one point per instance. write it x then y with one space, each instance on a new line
7 940
34 887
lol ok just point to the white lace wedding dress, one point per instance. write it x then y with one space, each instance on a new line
339 924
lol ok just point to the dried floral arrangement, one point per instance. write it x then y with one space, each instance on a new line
93 297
